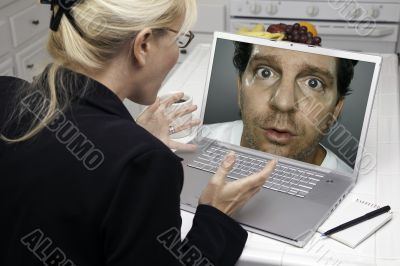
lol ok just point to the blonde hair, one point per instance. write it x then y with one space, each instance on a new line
104 27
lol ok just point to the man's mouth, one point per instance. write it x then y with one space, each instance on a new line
280 135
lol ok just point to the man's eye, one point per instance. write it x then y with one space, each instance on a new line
264 73
314 84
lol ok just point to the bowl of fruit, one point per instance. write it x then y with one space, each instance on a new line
302 32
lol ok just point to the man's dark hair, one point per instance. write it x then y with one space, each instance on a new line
345 67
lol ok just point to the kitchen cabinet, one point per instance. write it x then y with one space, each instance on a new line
32 60
4 3
23 29
6 67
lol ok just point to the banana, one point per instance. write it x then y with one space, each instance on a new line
259 31
243 30
258 27
264 34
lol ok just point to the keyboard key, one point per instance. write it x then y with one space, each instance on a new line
236 171
305 186
267 185
284 188
304 180
302 193
300 190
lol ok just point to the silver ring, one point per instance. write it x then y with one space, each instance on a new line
171 130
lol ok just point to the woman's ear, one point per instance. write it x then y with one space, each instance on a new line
141 46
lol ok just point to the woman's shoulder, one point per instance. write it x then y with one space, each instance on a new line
8 86
10 82
5 79
8 89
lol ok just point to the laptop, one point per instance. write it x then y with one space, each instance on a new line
307 106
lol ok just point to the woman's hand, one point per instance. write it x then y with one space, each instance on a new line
157 121
229 197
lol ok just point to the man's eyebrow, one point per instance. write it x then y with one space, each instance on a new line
313 70
272 59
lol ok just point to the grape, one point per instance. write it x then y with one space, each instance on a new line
296 33
317 40
289 29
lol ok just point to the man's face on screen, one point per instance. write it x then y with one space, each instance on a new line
287 100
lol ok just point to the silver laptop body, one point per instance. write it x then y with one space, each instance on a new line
289 212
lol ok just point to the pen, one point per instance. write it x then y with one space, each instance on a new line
358 220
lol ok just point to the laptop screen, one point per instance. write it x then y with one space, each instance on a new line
280 99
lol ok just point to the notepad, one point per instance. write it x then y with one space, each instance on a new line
358 233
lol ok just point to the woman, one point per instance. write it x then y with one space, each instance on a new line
82 183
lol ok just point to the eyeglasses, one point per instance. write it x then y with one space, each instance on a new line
182 40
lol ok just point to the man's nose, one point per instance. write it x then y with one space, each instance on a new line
283 97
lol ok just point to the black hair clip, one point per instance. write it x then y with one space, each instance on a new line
64 8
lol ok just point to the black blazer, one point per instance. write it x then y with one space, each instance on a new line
94 188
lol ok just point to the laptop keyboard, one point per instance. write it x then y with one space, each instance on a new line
285 178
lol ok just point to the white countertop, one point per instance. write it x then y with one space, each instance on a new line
382 248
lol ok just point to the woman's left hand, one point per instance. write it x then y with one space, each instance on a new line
155 120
